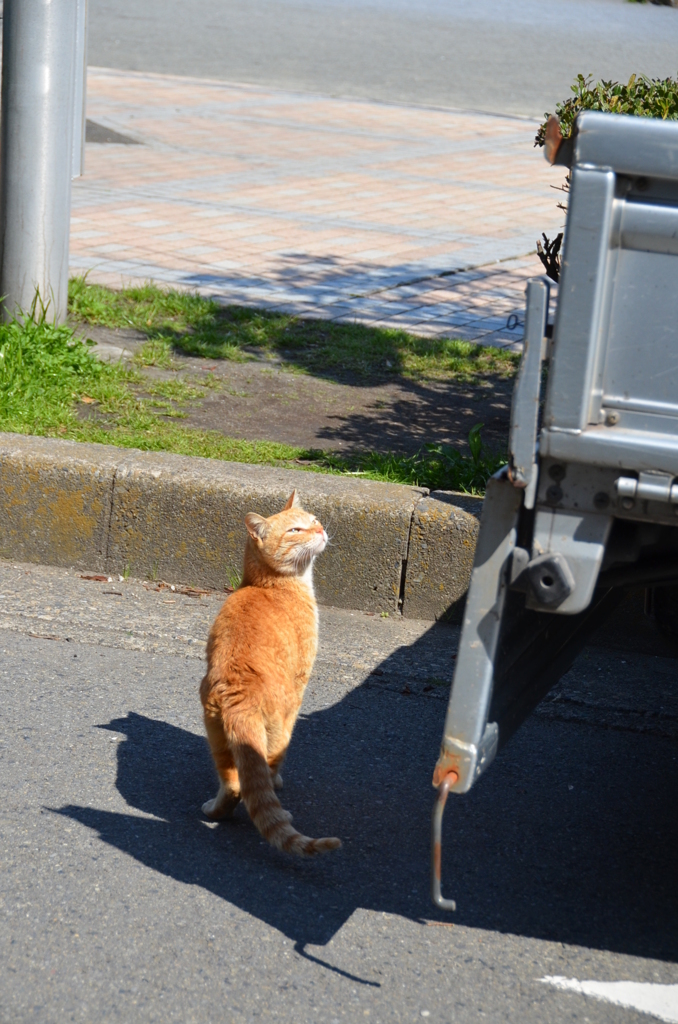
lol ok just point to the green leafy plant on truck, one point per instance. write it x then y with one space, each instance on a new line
639 97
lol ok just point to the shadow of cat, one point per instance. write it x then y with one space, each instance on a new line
525 852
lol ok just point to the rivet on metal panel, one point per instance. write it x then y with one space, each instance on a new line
436 842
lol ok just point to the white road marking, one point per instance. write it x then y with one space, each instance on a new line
660 1001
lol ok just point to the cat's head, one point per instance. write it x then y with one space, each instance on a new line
288 541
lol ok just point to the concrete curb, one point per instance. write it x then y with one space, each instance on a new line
174 517
440 557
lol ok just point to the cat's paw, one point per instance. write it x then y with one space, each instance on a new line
277 781
223 805
210 808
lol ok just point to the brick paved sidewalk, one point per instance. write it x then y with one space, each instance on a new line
327 207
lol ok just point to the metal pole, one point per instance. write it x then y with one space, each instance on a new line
36 154
80 90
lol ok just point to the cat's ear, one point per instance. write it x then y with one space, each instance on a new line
292 501
256 526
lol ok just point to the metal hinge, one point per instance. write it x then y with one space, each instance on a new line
650 486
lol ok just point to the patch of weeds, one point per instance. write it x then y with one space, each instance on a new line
176 321
149 433
463 360
176 389
44 371
234 577
145 308
436 466
155 352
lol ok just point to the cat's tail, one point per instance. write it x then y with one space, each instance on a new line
263 806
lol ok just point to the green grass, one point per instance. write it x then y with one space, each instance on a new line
52 385
47 375
174 320
438 466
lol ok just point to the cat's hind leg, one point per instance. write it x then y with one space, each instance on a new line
275 764
279 735
228 797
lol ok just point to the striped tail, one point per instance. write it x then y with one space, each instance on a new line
263 806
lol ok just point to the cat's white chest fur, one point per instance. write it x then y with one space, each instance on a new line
307 579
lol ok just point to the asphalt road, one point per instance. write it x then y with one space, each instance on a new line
503 56
120 903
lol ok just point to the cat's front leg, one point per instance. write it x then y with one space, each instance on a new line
223 805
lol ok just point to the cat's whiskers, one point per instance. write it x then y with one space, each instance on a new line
329 524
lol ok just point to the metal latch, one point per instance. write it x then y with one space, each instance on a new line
437 842
650 486
471 761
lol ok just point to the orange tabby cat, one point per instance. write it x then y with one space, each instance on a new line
260 653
